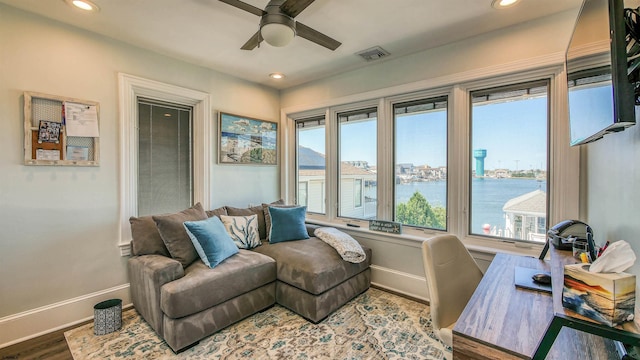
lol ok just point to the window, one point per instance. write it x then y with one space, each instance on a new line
164 157
311 164
357 144
420 176
484 159
509 151
130 89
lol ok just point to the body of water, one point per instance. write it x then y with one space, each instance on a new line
488 196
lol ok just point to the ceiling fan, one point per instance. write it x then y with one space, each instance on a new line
277 26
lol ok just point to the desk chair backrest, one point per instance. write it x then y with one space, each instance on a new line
452 277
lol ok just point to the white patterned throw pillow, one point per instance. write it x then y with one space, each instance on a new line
243 230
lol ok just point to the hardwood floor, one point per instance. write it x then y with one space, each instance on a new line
52 346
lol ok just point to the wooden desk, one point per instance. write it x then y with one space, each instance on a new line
628 332
504 322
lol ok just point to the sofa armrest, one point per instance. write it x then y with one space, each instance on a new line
147 275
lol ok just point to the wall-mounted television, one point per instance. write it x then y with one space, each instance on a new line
601 78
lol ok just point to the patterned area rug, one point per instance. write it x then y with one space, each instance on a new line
375 325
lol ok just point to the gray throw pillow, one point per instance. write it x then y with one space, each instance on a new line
146 239
217 212
174 235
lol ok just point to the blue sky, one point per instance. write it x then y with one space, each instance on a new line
514 133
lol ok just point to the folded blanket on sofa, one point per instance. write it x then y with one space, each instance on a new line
348 247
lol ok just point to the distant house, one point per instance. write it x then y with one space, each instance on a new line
525 216
502 173
402 169
357 185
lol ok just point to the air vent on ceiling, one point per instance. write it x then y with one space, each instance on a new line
375 53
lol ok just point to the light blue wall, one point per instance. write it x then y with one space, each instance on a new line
59 225
611 188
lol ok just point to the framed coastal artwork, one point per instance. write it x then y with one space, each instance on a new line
248 141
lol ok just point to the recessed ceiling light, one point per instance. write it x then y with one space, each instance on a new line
501 4
276 76
83 4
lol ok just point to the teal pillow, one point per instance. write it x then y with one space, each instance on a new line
211 240
287 224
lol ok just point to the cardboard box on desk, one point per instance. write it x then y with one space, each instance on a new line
608 298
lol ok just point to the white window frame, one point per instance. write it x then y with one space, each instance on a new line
130 88
333 161
390 199
563 179
497 83
290 156
564 161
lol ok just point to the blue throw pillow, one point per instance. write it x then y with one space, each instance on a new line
211 240
287 224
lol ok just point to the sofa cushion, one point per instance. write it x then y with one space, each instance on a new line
201 287
217 212
243 230
211 240
174 235
311 265
146 239
287 224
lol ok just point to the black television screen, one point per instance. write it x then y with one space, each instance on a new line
601 94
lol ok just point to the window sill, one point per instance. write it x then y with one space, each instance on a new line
473 243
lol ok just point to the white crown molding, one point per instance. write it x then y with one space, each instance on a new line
589 49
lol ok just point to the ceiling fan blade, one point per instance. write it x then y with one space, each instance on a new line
251 44
294 7
244 6
317 37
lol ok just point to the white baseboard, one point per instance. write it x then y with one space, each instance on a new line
33 323
400 282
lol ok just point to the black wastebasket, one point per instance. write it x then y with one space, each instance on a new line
107 316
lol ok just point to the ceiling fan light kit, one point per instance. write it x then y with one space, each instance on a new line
277 24
277 29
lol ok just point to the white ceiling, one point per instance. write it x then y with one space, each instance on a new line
210 33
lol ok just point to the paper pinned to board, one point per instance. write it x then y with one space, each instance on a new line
81 119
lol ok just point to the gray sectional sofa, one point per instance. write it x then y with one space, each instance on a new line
185 301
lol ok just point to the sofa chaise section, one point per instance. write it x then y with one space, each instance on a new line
313 280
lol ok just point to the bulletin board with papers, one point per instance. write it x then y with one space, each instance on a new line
61 130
